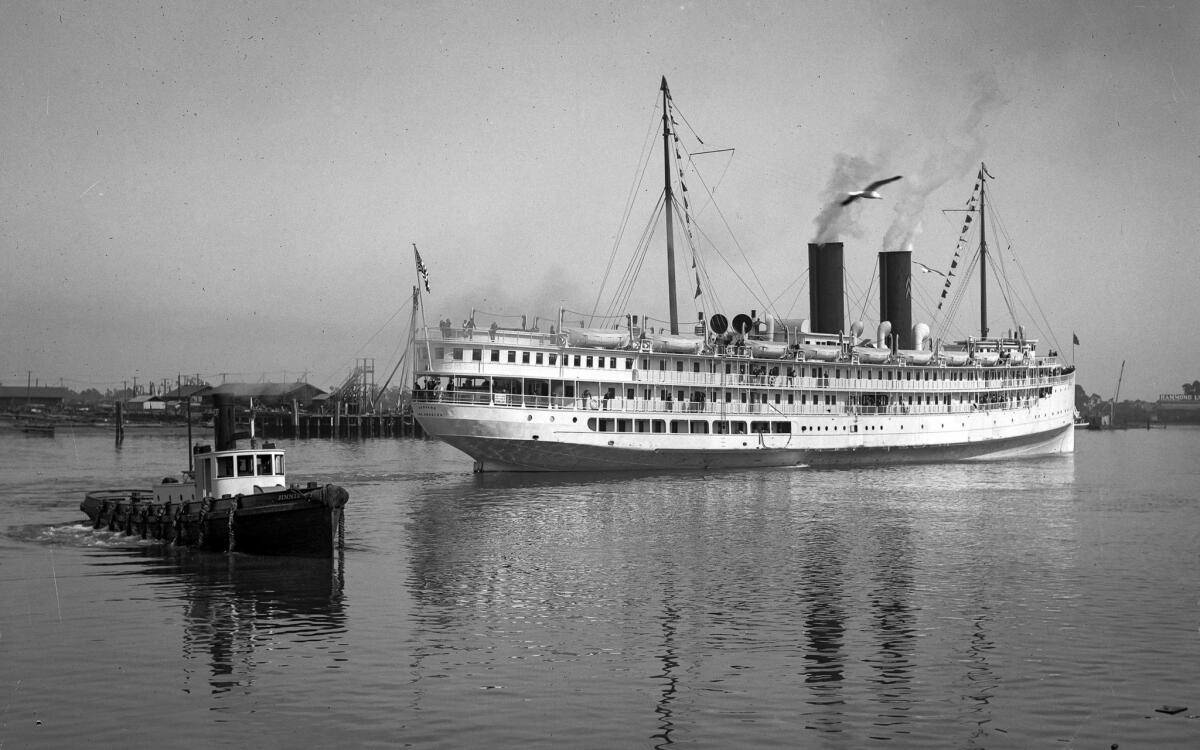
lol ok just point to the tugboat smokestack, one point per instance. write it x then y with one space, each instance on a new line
223 423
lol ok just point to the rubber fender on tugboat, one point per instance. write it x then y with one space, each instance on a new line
335 496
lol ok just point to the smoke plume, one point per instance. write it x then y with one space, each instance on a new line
962 149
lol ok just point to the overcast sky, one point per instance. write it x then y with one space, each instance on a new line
235 189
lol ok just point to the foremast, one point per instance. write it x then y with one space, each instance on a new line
983 259
668 203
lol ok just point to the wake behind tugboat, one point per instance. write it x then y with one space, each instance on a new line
233 500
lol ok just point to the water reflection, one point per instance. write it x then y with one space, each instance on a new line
816 587
669 623
822 596
241 610
893 620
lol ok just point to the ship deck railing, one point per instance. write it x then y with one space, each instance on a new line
672 407
469 335
545 339
734 380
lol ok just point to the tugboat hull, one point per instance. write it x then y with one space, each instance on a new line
288 521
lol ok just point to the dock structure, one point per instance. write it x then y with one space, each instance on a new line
352 426
299 410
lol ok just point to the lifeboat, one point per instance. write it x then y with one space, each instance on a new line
768 349
914 357
954 358
600 338
870 355
676 344
818 352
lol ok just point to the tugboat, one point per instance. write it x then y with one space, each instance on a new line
233 500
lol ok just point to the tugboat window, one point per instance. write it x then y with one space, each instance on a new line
225 466
245 466
264 465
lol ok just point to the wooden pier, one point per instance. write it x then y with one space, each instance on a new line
352 426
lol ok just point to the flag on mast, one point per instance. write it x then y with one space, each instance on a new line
1074 338
422 271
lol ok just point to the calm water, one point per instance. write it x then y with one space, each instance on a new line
1045 603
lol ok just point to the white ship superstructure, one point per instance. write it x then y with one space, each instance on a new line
528 401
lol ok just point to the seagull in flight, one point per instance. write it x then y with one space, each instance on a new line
927 269
870 191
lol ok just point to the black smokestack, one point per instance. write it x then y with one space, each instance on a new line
825 287
223 424
895 294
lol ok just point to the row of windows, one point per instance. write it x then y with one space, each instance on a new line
512 356
250 465
689 426
458 354
824 372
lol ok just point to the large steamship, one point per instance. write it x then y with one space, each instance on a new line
754 391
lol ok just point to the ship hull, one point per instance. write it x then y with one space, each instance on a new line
501 440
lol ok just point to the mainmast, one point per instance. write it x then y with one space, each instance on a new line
669 209
983 261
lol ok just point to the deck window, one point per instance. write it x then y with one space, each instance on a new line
266 467
245 466
512 356
457 353
495 355
224 466
476 355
